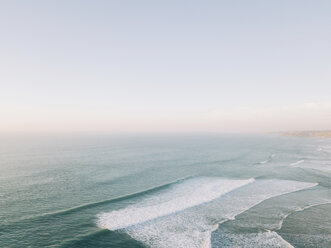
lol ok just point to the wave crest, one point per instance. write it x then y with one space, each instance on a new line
179 197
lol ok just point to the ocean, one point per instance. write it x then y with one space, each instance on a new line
206 190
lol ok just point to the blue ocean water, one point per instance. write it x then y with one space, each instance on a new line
164 191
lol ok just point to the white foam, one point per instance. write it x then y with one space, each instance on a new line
253 240
179 197
282 241
326 149
286 244
297 163
183 225
320 165
268 160
299 210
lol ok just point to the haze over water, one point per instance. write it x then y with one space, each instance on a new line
153 124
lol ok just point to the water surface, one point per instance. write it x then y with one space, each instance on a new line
164 191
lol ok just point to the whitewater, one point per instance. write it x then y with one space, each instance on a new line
159 191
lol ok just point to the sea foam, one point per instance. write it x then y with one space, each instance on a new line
265 238
297 163
179 197
186 214
268 160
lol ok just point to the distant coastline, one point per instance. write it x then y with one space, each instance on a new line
318 134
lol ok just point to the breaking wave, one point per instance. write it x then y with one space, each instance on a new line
181 196
267 160
186 213
297 162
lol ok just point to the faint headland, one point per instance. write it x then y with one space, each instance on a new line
318 134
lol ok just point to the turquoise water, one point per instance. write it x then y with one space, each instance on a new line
164 191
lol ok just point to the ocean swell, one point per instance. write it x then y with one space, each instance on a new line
186 214
190 193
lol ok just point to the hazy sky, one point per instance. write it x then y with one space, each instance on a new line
140 66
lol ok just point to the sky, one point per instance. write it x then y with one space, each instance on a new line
165 66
